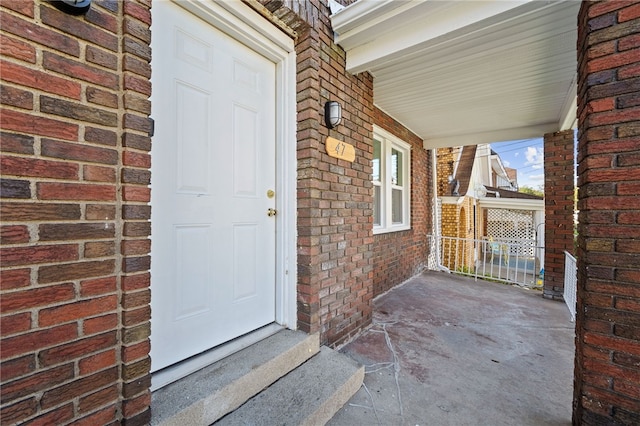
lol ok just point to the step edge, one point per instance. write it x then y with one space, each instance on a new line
313 413
200 412
282 364
336 401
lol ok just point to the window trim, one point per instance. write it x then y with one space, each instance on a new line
389 141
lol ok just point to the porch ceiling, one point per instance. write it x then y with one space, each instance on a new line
466 72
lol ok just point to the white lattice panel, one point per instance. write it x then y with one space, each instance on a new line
510 224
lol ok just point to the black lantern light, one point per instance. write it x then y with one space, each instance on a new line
332 114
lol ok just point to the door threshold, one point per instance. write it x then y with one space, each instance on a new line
190 365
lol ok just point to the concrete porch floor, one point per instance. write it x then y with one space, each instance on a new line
448 350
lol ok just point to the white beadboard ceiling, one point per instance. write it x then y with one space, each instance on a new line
466 72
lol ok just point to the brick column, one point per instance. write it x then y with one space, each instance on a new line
62 121
135 246
558 209
607 368
335 197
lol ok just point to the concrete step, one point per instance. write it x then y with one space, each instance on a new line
309 395
208 394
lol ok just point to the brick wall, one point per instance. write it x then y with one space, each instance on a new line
558 209
445 165
457 221
335 197
449 214
607 370
401 255
449 219
75 314
76 173
135 177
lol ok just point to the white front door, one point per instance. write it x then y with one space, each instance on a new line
213 243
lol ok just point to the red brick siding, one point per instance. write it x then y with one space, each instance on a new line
559 208
400 255
72 87
134 179
445 166
335 240
607 370
334 196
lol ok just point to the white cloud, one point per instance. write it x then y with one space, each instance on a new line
535 157
535 181
506 163
537 178
516 154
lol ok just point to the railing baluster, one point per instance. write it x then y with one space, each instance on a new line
461 256
570 283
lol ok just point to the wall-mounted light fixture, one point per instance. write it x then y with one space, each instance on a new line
332 114
73 7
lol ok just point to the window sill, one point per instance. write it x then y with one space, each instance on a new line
398 228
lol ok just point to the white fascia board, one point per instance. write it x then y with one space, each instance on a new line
483 160
229 16
358 15
487 168
414 25
452 199
501 135
500 166
568 114
511 203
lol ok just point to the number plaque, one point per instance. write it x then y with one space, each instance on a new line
339 149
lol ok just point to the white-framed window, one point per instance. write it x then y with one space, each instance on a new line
391 183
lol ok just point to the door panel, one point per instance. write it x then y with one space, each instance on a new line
213 245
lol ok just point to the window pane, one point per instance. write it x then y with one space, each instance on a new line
376 160
396 167
396 205
376 205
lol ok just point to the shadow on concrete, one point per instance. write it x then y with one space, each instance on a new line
448 350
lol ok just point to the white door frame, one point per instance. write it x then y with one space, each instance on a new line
242 23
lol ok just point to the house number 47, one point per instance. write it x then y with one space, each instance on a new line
339 149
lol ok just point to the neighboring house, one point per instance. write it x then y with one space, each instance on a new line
512 178
170 180
479 202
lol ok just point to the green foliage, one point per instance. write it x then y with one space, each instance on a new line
532 191
465 270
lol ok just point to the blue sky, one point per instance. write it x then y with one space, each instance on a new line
527 156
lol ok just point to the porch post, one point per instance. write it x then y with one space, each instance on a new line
607 363
558 209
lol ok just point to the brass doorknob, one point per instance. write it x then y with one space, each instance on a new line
272 212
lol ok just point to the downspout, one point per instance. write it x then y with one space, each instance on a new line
436 228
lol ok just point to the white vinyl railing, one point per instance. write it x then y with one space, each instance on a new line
570 283
513 261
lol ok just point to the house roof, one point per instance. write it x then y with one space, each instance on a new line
466 72
504 193
465 167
